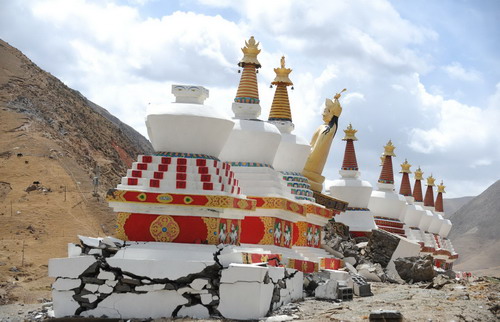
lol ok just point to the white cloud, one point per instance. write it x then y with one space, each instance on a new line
122 59
456 71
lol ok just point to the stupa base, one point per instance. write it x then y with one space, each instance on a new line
107 277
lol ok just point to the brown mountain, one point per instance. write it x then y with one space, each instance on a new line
451 205
51 135
476 230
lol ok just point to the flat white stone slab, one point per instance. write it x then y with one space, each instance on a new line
104 275
157 268
244 300
243 273
66 284
71 267
150 305
64 304
196 311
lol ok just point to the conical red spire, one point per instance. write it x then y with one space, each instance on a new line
417 188
439 198
350 162
429 193
387 175
405 188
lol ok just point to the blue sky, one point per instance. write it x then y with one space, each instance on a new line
425 74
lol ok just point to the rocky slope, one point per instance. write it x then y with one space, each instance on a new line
86 131
451 205
51 135
476 230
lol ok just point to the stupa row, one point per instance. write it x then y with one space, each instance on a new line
406 213
228 214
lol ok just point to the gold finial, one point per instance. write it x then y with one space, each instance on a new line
250 52
350 133
419 174
382 159
389 149
430 181
282 74
405 167
441 187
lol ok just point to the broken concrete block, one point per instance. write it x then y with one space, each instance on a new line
351 268
338 275
196 311
71 267
236 304
360 286
90 241
276 273
90 297
327 290
157 268
243 273
91 287
66 284
104 275
150 305
405 248
64 304
95 251
74 250
371 272
112 241
206 298
350 260
105 289
199 283
344 293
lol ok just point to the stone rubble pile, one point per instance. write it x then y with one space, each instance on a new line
379 259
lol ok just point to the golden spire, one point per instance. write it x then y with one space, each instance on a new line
441 187
389 149
282 74
419 174
250 52
350 133
430 181
405 167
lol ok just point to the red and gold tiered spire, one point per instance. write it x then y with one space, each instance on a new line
248 91
350 162
439 198
417 188
405 188
429 193
280 109
387 175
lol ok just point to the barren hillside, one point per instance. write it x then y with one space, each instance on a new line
52 135
476 230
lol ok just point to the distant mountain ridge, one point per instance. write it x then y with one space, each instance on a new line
451 205
476 231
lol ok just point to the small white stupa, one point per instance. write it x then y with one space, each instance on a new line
352 189
387 205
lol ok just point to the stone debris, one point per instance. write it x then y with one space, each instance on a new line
415 269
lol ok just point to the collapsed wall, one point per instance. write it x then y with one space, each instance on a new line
111 278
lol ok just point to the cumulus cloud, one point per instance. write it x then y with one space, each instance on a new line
123 59
456 71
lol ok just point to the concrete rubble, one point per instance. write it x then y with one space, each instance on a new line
99 279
